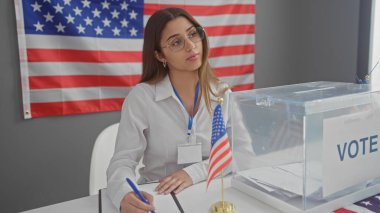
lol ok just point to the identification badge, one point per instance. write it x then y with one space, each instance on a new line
189 153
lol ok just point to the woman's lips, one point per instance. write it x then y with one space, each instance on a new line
193 57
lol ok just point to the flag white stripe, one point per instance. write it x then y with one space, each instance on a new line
76 94
57 68
221 20
82 43
225 20
111 69
235 60
197 2
238 80
231 40
89 43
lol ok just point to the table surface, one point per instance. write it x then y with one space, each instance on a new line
192 199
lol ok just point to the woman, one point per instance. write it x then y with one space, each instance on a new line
167 118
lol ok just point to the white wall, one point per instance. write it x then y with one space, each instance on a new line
306 40
375 45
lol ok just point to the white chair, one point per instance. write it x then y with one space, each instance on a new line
101 156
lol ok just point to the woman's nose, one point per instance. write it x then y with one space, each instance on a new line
189 44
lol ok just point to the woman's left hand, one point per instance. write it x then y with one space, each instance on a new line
176 182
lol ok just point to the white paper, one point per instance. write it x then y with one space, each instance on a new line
189 153
340 170
163 203
288 177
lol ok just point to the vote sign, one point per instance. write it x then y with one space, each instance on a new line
351 150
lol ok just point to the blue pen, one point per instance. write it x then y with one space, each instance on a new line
137 192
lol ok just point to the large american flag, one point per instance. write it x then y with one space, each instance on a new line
81 56
220 153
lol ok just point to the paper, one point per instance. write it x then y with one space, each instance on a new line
162 203
288 177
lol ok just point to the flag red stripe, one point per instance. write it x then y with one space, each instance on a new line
216 160
75 107
230 30
45 82
343 210
223 165
69 55
232 50
204 10
243 87
48 82
218 147
234 70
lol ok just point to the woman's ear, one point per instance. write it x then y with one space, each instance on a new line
159 56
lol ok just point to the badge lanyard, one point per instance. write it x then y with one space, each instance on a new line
190 123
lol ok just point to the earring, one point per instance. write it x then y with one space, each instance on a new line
164 63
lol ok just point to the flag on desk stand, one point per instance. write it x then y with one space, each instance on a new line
220 156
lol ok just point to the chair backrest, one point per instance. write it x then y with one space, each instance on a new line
101 155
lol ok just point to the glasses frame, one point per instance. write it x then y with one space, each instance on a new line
199 30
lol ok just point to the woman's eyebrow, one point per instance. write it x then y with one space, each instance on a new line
174 35
189 28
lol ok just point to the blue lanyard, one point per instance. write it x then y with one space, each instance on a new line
190 123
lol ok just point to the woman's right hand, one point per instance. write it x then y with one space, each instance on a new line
132 204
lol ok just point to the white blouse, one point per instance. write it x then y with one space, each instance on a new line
153 123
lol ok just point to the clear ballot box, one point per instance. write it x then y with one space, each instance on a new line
310 147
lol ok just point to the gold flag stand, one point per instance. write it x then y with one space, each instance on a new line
223 206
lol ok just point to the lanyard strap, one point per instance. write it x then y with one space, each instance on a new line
190 123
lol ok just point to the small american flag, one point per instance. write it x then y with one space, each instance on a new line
368 205
220 153
83 56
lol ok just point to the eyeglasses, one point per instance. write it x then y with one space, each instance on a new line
177 43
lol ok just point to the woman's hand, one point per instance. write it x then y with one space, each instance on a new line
176 182
132 204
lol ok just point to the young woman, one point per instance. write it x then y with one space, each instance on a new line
167 118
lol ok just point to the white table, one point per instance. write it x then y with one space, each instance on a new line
194 199
83 205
